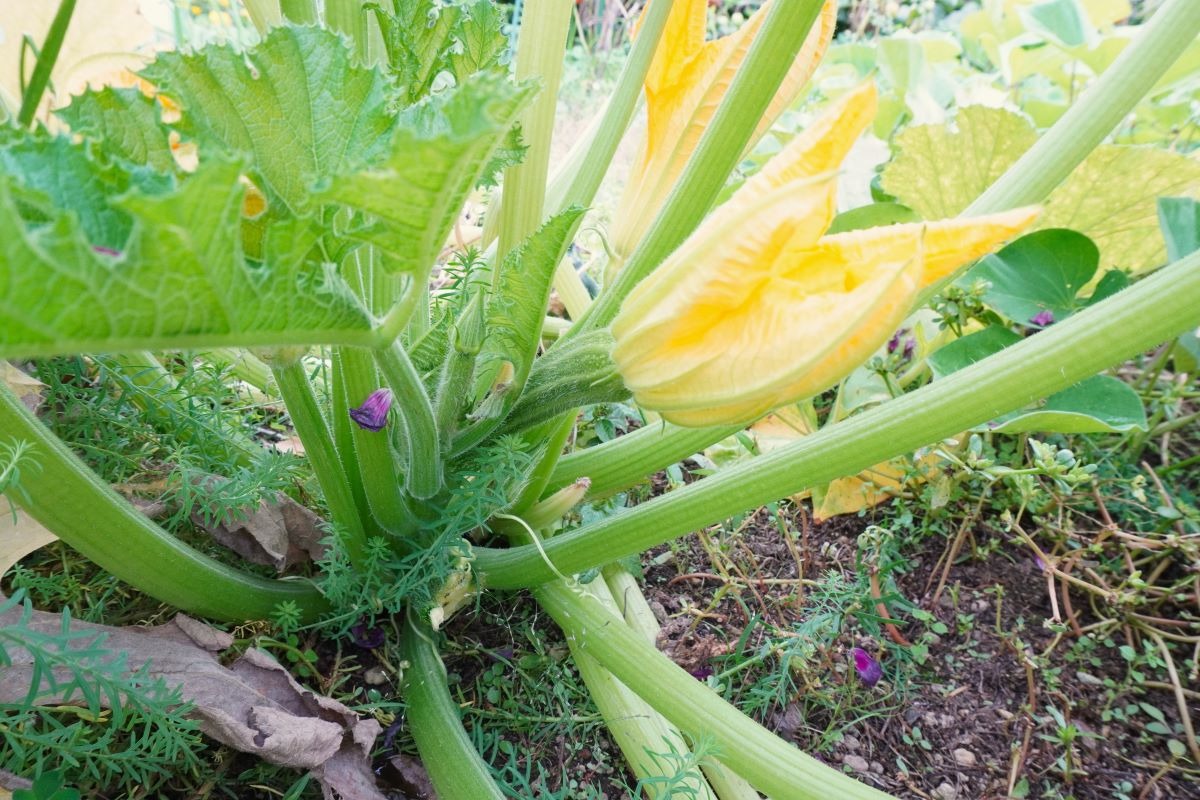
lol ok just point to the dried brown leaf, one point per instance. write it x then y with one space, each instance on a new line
254 705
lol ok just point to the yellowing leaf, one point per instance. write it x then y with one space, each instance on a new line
858 492
940 171
1112 198
19 536
27 389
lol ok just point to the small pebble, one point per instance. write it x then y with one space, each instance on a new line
851 742
375 676
964 757
856 763
946 791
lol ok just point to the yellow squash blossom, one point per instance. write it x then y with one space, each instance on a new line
758 308
685 84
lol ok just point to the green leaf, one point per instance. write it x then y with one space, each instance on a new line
1179 218
57 170
1041 271
1112 199
438 153
1100 404
939 172
1064 20
516 309
417 37
424 39
181 281
297 104
482 44
872 216
971 348
123 123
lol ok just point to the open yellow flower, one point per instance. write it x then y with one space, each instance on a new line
685 84
757 308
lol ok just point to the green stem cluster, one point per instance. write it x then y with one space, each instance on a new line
1157 308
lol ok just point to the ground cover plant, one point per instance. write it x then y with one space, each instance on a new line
266 365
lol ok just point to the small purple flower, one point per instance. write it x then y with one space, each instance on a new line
868 669
910 344
1042 318
373 413
1037 561
894 342
369 638
702 672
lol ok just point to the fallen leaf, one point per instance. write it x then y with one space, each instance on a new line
254 705
27 388
20 535
277 534
413 777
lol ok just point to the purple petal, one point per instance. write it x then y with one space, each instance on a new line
894 342
869 670
108 251
1043 318
369 638
373 413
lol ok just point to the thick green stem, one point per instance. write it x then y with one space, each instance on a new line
540 46
630 459
340 426
301 12
455 766
265 14
1101 108
1149 312
75 505
381 481
643 735
297 394
424 455
758 79
47 58
631 605
772 765
556 440
244 365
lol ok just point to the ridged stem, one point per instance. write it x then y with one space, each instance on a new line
457 770
772 765
541 43
632 458
301 402
424 456
1151 311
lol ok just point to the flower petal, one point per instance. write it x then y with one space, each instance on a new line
948 244
737 339
685 86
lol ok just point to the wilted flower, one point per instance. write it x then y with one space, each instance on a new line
373 413
868 668
758 309
1042 318
685 84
